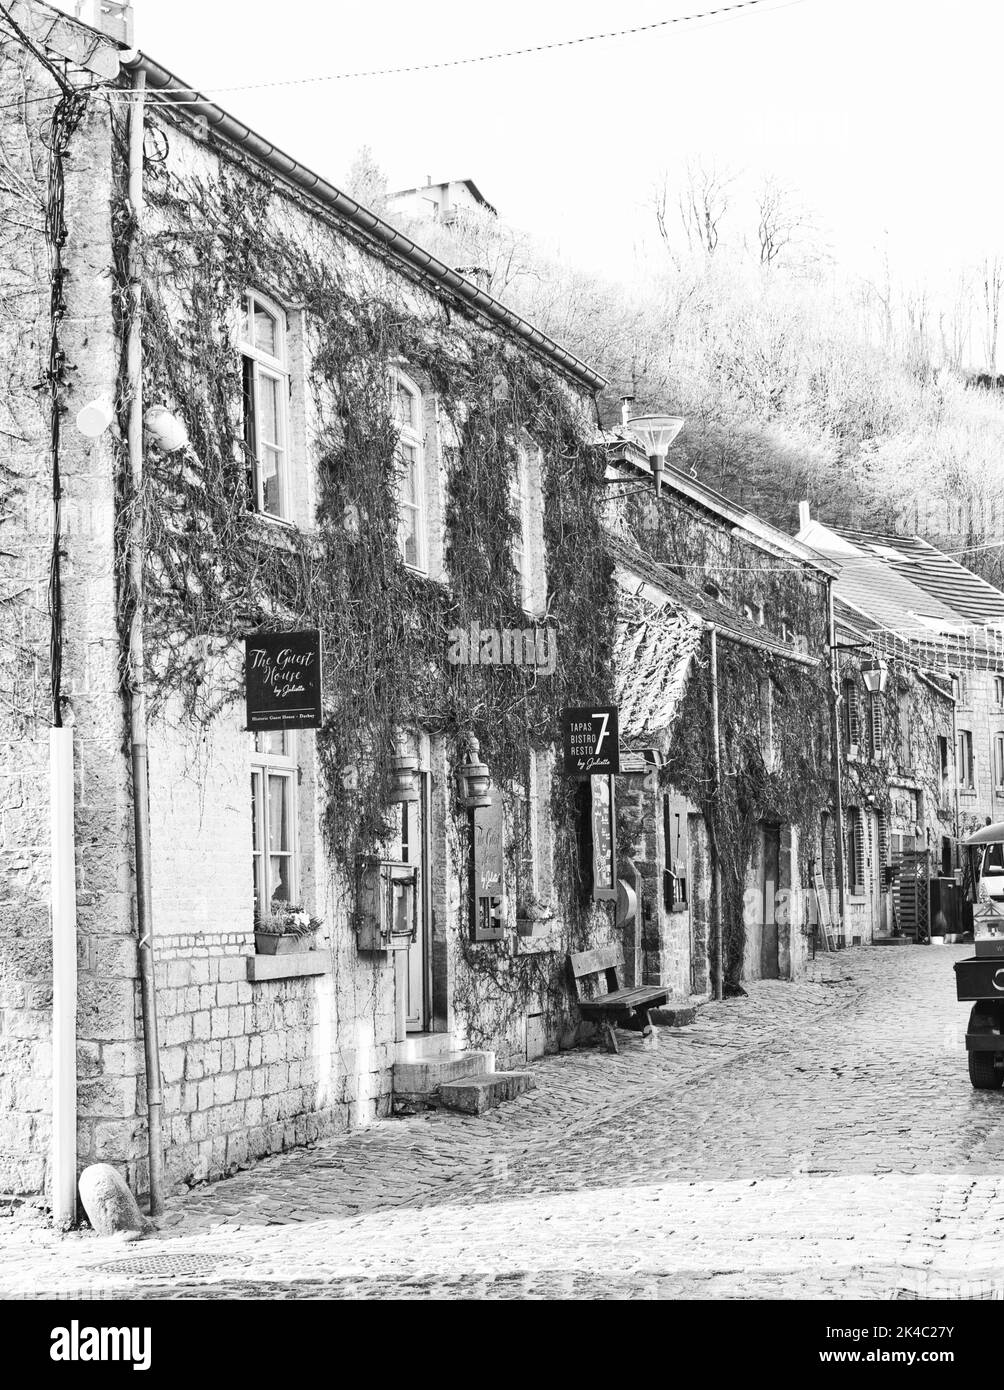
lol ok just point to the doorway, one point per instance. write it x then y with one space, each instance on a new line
414 847
770 877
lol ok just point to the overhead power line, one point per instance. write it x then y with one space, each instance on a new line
502 54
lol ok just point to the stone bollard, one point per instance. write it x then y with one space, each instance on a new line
110 1206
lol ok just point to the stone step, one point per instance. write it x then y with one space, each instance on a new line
474 1094
417 1047
421 1080
673 1015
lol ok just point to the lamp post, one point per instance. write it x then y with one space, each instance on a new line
655 434
875 676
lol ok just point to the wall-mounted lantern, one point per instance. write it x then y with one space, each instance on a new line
474 779
875 676
165 428
655 434
404 779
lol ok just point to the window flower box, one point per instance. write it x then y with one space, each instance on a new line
285 930
534 919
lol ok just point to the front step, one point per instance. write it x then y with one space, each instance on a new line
473 1095
674 1015
418 1084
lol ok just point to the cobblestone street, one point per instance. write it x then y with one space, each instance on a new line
817 1139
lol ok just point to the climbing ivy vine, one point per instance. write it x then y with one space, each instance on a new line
216 570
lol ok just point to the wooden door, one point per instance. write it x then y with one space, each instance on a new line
770 874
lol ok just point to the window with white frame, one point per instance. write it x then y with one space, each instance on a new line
274 779
266 404
521 548
409 416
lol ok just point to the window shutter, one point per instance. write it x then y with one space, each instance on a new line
883 840
877 723
853 712
857 856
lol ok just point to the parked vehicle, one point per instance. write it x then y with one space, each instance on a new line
981 977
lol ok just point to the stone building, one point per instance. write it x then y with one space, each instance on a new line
923 758
706 586
341 434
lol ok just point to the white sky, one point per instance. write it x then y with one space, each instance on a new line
883 113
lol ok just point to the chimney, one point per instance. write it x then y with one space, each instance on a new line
112 17
804 517
626 403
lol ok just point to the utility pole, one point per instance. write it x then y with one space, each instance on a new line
137 672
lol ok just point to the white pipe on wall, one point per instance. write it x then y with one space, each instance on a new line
64 977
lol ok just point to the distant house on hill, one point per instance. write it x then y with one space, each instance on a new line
439 202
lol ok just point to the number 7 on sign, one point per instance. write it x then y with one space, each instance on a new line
605 718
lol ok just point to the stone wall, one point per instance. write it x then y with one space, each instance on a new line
106 1008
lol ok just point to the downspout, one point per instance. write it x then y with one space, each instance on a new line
137 678
64 977
955 774
838 795
716 863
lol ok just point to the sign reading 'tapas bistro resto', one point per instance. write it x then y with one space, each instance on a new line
591 741
282 680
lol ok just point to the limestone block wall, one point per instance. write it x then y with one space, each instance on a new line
105 1016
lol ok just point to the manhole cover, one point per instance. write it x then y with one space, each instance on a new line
154 1266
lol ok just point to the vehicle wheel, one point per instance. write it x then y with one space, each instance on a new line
982 1072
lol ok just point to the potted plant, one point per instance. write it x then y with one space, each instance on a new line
286 928
532 915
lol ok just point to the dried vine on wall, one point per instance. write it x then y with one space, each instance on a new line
216 570
793 787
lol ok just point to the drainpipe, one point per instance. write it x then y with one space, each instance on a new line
716 864
64 978
137 678
955 774
838 796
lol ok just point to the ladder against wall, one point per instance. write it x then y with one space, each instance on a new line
914 894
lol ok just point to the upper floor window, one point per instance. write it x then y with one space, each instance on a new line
409 416
521 554
274 780
964 756
999 690
266 404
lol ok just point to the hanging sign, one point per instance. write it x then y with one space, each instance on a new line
488 881
282 680
591 741
604 826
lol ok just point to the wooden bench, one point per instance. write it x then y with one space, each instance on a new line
627 1008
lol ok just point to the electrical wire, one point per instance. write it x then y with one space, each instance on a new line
499 56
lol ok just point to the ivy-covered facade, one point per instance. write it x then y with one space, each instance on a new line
725 840
340 436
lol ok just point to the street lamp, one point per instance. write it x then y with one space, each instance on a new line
655 433
875 676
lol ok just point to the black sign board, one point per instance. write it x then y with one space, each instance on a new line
591 741
282 680
604 837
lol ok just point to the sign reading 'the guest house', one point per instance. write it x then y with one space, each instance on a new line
282 680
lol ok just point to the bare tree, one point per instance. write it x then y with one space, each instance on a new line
367 181
780 220
704 204
992 275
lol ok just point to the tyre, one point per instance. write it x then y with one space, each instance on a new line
982 1072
